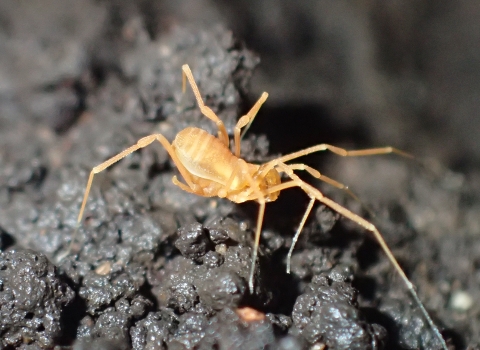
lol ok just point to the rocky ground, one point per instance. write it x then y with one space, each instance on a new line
153 267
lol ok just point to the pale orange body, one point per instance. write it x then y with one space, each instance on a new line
217 171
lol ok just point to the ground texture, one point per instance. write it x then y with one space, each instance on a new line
153 267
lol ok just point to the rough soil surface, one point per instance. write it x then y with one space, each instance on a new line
153 267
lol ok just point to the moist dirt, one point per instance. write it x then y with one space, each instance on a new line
154 267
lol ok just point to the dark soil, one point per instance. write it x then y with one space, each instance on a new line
153 267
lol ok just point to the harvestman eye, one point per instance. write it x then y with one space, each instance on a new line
210 169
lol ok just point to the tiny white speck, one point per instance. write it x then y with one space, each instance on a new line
461 301
221 249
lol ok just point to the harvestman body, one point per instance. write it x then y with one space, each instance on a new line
210 169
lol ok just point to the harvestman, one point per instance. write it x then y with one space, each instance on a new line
210 169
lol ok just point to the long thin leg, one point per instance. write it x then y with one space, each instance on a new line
258 232
337 150
315 173
313 192
260 198
299 230
206 111
247 119
143 142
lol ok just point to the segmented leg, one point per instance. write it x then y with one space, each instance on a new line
143 142
299 230
260 198
206 111
337 150
316 174
312 192
247 120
